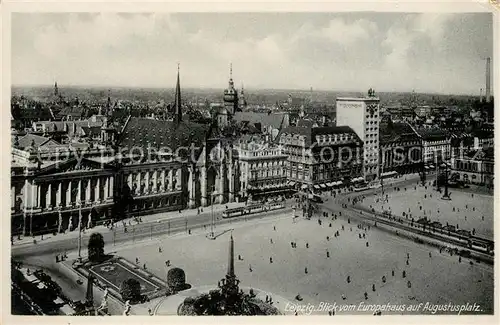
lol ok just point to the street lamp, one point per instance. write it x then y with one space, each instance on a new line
80 231
211 235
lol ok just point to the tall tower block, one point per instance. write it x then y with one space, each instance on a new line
362 115
488 80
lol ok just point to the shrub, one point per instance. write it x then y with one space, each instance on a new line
176 279
131 290
96 247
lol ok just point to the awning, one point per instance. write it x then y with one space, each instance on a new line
291 183
304 186
316 187
442 165
392 173
329 184
322 185
432 166
426 167
357 179
337 183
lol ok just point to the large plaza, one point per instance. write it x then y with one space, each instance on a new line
468 210
329 263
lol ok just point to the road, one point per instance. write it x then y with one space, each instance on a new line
135 232
336 204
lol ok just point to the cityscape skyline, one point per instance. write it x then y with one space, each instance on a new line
432 53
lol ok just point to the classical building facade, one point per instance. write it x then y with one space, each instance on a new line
149 166
436 147
476 167
322 157
400 149
262 167
52 190
362 115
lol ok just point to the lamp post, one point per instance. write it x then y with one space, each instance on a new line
80 231
211 235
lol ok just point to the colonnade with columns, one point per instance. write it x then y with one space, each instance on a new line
155 180
64 193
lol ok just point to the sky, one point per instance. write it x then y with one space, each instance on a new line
425 52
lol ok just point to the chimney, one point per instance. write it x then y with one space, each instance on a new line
488 79
481 95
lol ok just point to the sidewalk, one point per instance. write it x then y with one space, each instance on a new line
157 217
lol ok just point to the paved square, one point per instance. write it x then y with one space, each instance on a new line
205 263
470 208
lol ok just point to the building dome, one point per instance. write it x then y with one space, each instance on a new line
230 94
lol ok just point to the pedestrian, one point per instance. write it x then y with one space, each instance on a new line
307 245
404 274
392 272
328 238
342 227
348 279
144 266
136 260
373 287
460 259
407 255
270 260
364 235
327 254
305 270
189 231
267 299
367 245
409 284
274 227
149 309
366 295
250 267
271 240
167 262
159 250
330 225
383 279
57 258
407 262
344 297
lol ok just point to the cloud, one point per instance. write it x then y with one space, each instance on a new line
341 51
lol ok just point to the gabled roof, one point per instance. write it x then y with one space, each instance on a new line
91 131
36 140
432 134
397 131
74 111
140 132
272 119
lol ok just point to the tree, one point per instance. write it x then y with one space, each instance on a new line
96 247
131 290
176 280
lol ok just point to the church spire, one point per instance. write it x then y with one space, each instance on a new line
177 104
108 103
56 90
231 83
